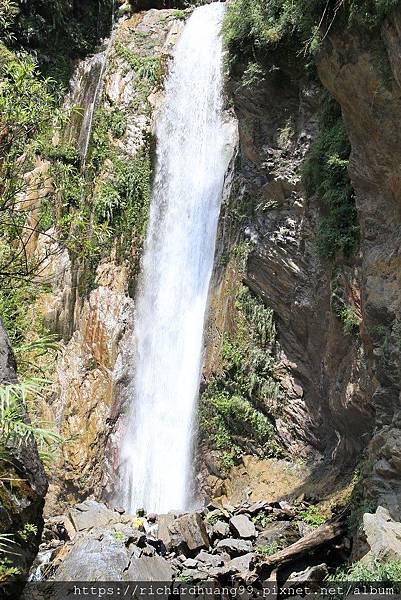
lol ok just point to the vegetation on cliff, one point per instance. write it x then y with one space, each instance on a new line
238 407
252 26
255 29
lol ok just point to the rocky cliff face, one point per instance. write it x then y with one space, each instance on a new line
367 85
326 411
342 390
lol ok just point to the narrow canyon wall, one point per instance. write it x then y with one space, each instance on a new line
326 414
364 76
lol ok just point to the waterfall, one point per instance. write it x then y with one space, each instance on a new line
193 152
85 91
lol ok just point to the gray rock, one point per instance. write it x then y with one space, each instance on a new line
234 547
317 574
90 514
153 568
221 572
256 508
214 560
165 521
190 563
92 559
304 529
188 534
191 575
383 535
243 527
221 530
242 564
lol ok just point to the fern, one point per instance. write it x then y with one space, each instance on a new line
15 427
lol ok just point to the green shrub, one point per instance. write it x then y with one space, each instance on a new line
270 549
236 409
312 516
149 68
262 519
350 320
254 26
325 176
374 571
28 532
7 570
14 426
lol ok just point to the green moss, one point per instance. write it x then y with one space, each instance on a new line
237 408
325 176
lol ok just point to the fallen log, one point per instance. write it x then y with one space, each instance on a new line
326 533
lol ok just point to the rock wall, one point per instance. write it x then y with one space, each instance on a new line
23 483
327 413
365 79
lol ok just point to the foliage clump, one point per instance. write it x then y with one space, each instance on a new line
312 516
373 571
239 403
253 26
325 175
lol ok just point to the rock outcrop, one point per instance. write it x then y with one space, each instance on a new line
368 90
23 483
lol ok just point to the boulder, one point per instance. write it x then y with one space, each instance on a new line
256 508
94 559
243 527
220 530
383 535
193 576
242 564
149 568
188 534
234 547
213 560
165 521
190 563
91 514
315 574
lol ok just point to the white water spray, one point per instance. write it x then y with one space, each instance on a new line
193 152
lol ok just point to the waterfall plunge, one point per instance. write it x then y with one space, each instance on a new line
194 147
